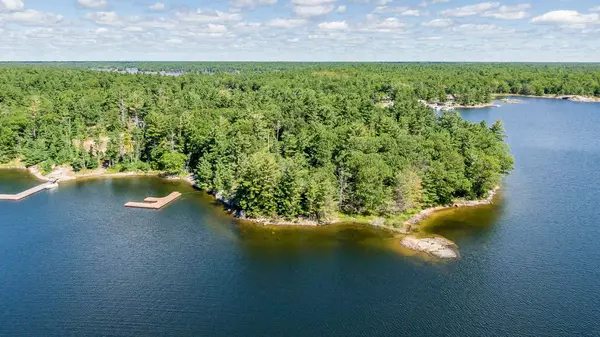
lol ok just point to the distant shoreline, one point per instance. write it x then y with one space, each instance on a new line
570 98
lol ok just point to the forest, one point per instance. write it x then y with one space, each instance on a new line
288 140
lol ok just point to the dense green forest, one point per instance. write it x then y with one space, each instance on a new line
278 139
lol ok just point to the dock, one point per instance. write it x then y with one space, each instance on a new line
155 203
29 192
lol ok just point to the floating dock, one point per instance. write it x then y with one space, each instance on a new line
154 203
31 191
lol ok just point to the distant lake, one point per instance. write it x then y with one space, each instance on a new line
75 261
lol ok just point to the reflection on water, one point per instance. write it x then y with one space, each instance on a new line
259 239
463 222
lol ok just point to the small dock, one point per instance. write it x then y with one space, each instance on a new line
29 192
155 203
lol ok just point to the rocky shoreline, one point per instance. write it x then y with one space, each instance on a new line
572 98
436 246
64 173
450 105
470 203
478 106
511 101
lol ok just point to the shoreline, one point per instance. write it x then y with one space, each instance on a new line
62 176
449 106
478 106
570 98
436 246
378 222
426 213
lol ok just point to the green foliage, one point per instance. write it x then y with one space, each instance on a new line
172 162
318 199
290 189
259 176
35 152
280 139
408 192
46 166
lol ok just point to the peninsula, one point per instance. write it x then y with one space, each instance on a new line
300 143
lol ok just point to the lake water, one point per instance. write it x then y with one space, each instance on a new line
74 260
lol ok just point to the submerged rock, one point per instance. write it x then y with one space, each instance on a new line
584 99
438 247
511 101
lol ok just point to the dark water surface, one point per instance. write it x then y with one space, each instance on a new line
74 260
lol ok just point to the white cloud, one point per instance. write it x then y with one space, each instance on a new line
206 16
341 9
206 31
403 10
157 23
286 23
564 17
312 2
595 9
310 8
11 5
248 26
439 23
433 2
388 25
252 3
386 9
31 17
308 11
133 29
481 29
334 25
174 41
509 12
213 28
159 6
411 12
471 10
374 2
105 18
93 4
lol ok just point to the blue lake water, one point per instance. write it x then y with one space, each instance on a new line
75 261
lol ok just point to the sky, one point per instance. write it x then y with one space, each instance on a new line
300 30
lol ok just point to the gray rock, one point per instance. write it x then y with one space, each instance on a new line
438 247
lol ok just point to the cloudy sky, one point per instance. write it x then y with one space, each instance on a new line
301 30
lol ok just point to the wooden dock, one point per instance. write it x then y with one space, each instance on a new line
154 203
25 194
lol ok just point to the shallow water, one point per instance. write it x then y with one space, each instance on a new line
74 260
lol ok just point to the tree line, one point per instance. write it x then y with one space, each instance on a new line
287 140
